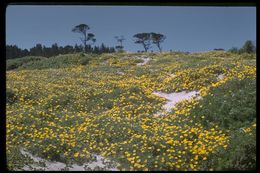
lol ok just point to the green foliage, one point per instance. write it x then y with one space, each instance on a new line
248 47
12 66
139 71
60 61
10 96
231 105
195 62
16 160
157 39
96 106
120 47
138 60
247 56
12 51
18 62
233 50
82 29
121 51
85 60
240 155
144 39
82 54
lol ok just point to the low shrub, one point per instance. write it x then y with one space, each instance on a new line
233 104
232 107
18 62
10 96
138 61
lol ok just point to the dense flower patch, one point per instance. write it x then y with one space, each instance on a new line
67 114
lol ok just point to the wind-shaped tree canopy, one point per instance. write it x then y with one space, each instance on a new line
157 39
82 29
120 42
248 47
144 39
91 37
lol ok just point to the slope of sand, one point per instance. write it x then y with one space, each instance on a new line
174 98
146 60
58 166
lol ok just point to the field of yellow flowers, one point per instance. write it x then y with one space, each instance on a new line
69 107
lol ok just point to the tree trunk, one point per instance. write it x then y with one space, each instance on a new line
145 48
85 42
159 47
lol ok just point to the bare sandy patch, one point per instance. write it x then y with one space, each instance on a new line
100 162
174 98
146 60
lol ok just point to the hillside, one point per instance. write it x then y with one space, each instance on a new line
129 108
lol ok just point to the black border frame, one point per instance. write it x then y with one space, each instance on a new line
5 3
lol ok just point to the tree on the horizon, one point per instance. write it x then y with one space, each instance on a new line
82 29
144 39
46 51
78 48
13 51
219 49
157 39
54 49
233 50
37 50
120 40
248 47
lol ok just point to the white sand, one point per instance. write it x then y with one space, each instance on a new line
50 166
104 62
58 166
120 73
173 75
146 60
174 98
220 77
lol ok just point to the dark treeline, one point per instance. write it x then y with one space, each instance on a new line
248 47
12 51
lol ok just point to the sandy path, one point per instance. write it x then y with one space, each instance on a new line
220 77
58 166
174 98
146 60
